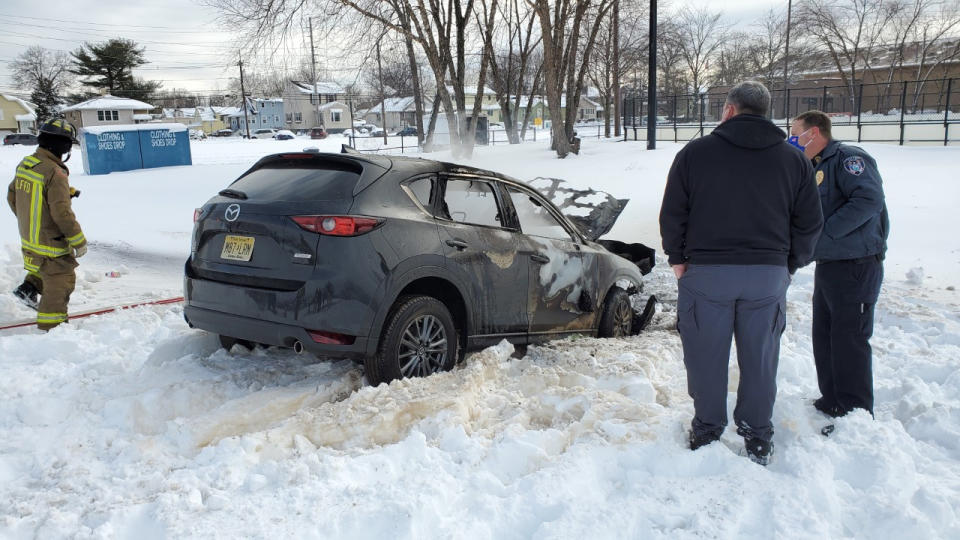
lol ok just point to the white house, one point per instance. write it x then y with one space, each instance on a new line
16 115
108 110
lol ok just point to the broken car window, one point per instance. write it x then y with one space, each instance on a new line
421 188
535 220
470 201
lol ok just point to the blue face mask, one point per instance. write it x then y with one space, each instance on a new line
795 141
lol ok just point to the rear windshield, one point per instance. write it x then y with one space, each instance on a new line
294 180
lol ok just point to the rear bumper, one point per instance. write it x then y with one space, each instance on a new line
269 333
278 318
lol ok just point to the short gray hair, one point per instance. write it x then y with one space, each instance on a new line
750 97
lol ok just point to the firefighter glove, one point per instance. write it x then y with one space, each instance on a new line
80 251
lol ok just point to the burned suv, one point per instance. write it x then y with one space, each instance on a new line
402 263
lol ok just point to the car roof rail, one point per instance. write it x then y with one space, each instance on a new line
347 149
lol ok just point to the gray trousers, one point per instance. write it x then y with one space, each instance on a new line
715 303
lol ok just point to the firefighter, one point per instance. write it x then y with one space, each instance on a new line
50 237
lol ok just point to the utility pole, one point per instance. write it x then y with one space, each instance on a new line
786 59
652 81
317 119
243 101
383 100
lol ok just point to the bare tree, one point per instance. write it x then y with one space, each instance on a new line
621 48
849 30
47 74
569 29
931 46
510 47
699 34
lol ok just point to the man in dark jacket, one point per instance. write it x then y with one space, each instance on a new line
849 259
740 214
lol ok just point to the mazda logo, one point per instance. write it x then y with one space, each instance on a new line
232 212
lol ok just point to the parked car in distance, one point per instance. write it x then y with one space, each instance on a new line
264 133
284 135
197 135
226 132
377 132
20 138
402 263
356 132
318 133
408 131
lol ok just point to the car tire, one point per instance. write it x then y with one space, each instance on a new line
228 342
423 318
616 319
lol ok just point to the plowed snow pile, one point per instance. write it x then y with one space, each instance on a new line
132 425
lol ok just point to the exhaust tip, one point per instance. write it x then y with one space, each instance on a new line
298 347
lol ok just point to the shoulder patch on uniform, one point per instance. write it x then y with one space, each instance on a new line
854 165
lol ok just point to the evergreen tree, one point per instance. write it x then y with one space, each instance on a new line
45 97
109 66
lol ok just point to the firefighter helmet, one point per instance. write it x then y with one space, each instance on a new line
61 128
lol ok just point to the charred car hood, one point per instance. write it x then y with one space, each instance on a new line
594 213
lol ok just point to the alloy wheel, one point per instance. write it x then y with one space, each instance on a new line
423 347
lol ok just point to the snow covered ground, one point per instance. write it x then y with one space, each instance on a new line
132 425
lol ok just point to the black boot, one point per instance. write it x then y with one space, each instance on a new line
27 294
829 409
759 450
696 441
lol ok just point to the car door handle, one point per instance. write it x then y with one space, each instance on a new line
459 244
542 259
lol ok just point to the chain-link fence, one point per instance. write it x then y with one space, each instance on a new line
910 112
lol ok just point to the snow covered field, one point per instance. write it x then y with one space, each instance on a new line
132 425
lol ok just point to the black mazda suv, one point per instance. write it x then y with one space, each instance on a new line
402 263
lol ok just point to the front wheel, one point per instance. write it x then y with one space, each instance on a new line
616 319
419 339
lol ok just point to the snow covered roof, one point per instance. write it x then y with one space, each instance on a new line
225 111
110 102
395 104
323 87
25 105
333 105
97 130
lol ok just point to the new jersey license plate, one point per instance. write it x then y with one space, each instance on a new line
237 248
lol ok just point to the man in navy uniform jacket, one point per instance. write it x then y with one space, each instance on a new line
849 257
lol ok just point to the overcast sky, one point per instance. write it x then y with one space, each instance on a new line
184 44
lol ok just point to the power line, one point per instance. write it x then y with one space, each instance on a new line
164 29
46 19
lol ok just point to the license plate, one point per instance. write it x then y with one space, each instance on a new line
237 248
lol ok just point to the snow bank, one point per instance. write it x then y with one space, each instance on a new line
132 425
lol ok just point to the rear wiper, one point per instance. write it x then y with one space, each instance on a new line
233 194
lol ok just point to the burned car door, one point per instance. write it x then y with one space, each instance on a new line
481 247
563 276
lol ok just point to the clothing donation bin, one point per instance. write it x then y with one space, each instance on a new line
137 146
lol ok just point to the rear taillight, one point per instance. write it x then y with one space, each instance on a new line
337 225
331 338
197 214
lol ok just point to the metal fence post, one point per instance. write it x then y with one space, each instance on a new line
859 110
823 100
946 114
903 107
700 114
674 118
786 109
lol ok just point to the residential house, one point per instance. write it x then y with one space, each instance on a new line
335 116
16 115
489 107
205 119
588 111
108 111
301 103
400 113
261 113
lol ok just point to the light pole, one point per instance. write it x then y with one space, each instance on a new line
786 65
652 80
